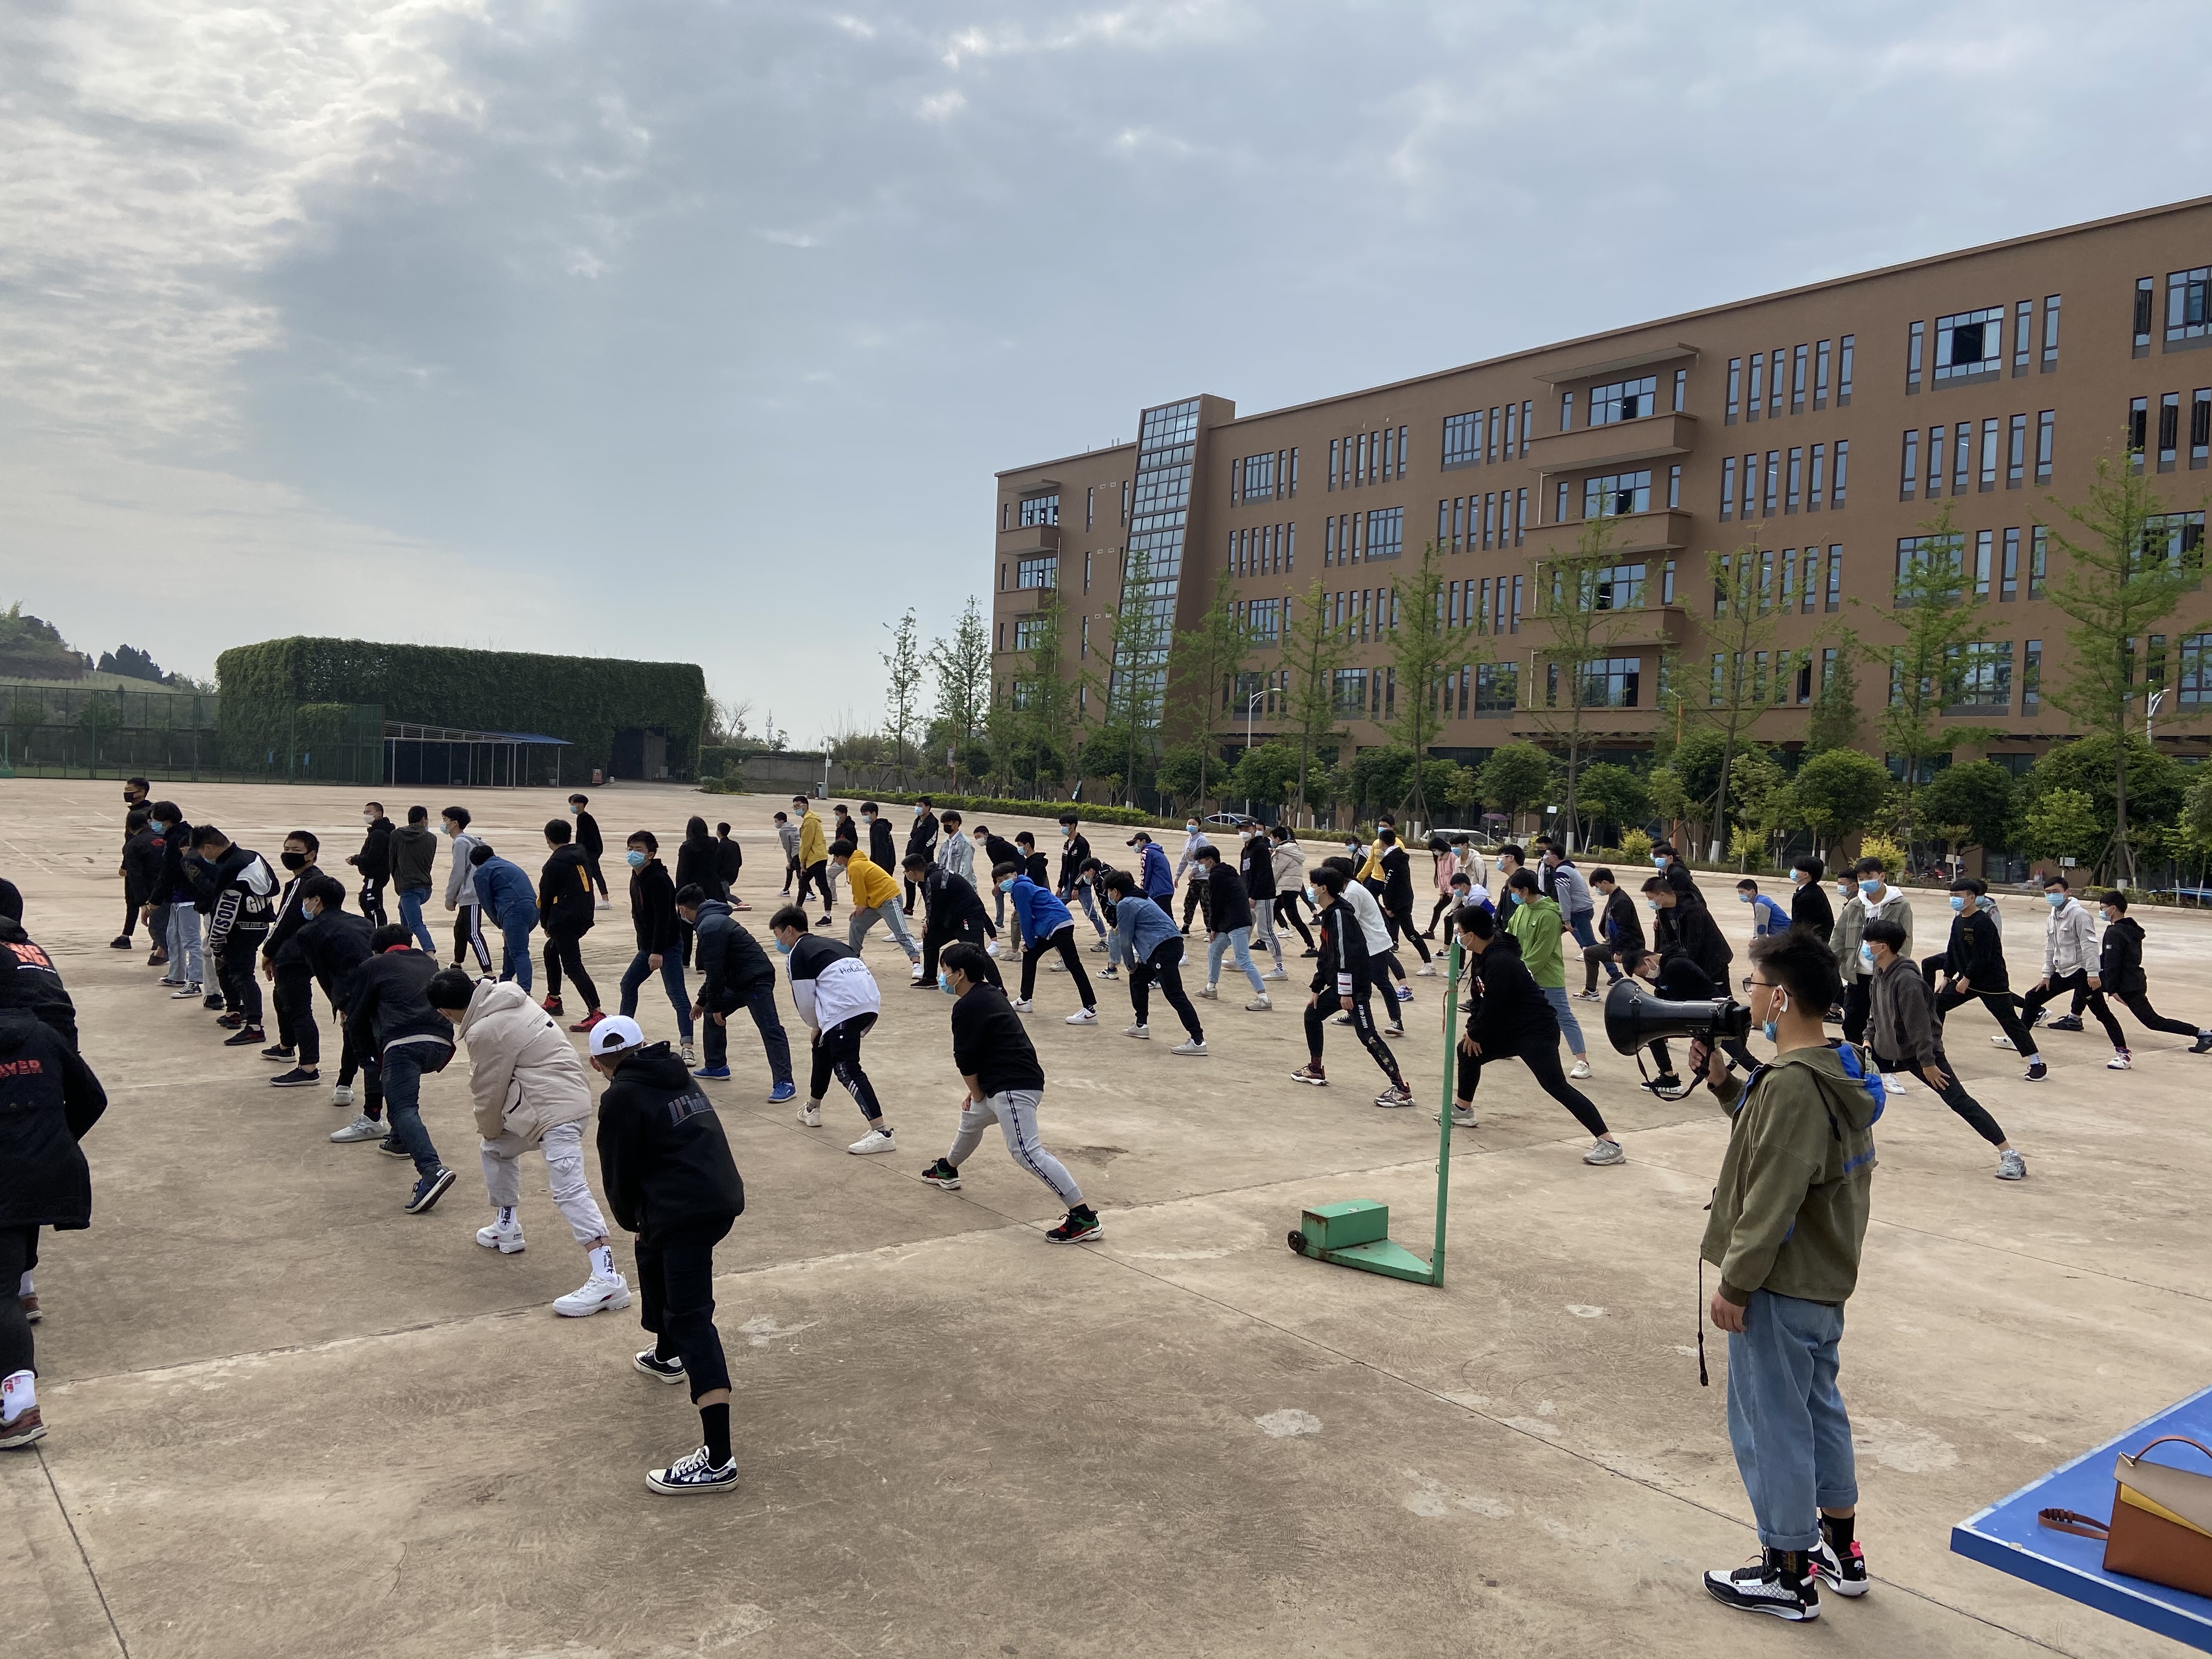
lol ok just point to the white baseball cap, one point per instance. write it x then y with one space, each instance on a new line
614 1034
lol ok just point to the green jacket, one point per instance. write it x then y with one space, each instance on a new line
1534 925
1789 1210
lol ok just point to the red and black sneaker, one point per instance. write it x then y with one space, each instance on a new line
231 1022
551 1005
1778 1581
1842 1567
588 1021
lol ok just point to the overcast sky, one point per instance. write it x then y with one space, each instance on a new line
697 331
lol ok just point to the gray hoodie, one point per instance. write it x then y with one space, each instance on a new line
2070 940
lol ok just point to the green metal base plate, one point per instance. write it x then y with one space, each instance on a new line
1391 1260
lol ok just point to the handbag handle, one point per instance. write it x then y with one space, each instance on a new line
2083 1526
2135 1458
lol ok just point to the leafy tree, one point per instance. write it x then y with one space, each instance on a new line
2155 781
1670 798
1182 767
25 715
1379 776
1265 776
131 663
1582 627
1933 607
1839 792
902 707
100 716
1613 794
1516 777
1139 632
1977 798
2064 823
1833 720
961 665
1043 731
1737 692
2127 571
1313 651
1203 665
1764 803
1429 654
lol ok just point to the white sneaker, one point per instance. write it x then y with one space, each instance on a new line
1604 1152
507 1240
1895 1083
916 975
1582 1071
2000 1041
1109 971
1211 993
1137 1030
991 949
189 990
1259 1004
809 1113
1461 1118
691 1054
876 1140
1340 1019
2122 1061
1022 1005
1277 972
1083 1017
593 1294
342 1095
1194 1046
362 1128
604 904
1426 971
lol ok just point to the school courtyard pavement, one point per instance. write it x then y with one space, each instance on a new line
287 1420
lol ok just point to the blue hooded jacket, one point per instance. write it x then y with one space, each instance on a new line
506 893
1159 878
1040 915
1143 926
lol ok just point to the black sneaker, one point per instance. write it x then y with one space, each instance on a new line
2063 1023
120 942
941 1174
298 1078
277 1051
1779 1582
668 1370
245 1037
693 1473
390 1147
213 1000
1080 1226
230 1022
2203 1043
428 1190
1844 1571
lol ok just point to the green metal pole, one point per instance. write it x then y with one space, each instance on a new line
1455 961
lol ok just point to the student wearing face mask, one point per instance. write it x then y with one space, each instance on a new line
921 839
292 993
1397 899
1872 898
2120 974
326 950
786 835
373 862
1232 929
839 1000
1972 964
397 1032
1344 979
883 846
734 972
1290 861
875 898
1045 924
1808 899
590 843
1197 895
141 874
461 888
956 854
1766 916
953 910
565 908
414 859
1669 865
992 851
244 890
1155 951
1074 885
1906 1035
659 935
1255 868
813 856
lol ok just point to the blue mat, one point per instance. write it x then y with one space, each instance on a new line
2005 1536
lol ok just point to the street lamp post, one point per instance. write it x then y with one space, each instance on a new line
1250 702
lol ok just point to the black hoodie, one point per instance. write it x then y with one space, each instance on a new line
391 1008
31 984
653 909
1975 952
565 904
883 851
697 863
2119 966
331 947
48 1099
414 853
374 858
664 1160
1511 1013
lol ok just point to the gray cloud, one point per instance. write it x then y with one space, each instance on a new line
666 329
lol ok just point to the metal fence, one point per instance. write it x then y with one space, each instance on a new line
51 730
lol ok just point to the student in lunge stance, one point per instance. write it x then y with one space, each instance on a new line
565 906
734 972
666 1167
659 932
1788 1220
874 893
461 888
2120 974
999 1065
529 1088
1374 932
506 899
1973 966
1289 861
1151 944
1044 925
1510 1016
395 1030
1903 1031
1343 978
1536 928
839 999
955 913
1231 909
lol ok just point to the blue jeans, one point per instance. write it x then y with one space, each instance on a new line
1579 923
514 951
1091 908
185 962
672 976
762 1006
1239 941
410 916
399 1072
1785 1415
1569 1026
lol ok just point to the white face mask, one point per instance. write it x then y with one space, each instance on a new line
368 817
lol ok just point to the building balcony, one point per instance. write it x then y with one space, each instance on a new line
1026 541
1021 601
1666 530
1652 438
1536 724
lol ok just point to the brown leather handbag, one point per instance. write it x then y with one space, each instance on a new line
2161 1524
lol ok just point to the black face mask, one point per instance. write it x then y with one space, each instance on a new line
295 861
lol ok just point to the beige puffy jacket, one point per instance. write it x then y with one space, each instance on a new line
524 1074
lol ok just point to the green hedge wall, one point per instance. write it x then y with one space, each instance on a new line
583 699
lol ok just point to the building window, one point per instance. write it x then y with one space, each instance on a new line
1567 412
1735 390
1086 572
1835 599
1090 506
1788 599
2016 454
2009 589
1728 487
1774 385
1082 644
2031 676
1624 400
1265 622
1714 694
1616 494
2175 538
1796 479
1496 688
1667 583
1962 457
1750 486
1028 632
1935 437
1258 478
1773 477
1681 390
2138 431
2023 335
1758 383
1809 589
1981 674
1513 623
1005 516
1989 480
1041 509
2194 690
1908 476
1674 485
1462 439
1125 501
2186 294
1037 573
2046 426
1520 516
1818 481
1386 532
1844 348
2039 556
1509 431
1916 551
1797 364
2169 429
2146 304
2049 332
1821 375
1984 557
1616 588
1611 682
1916 341
1351 692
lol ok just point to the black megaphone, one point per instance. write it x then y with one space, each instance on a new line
1635 1019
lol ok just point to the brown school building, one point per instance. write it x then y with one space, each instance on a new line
1820 427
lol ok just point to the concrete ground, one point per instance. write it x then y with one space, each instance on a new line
286 1419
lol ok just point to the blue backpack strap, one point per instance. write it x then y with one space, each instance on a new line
1856 1067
